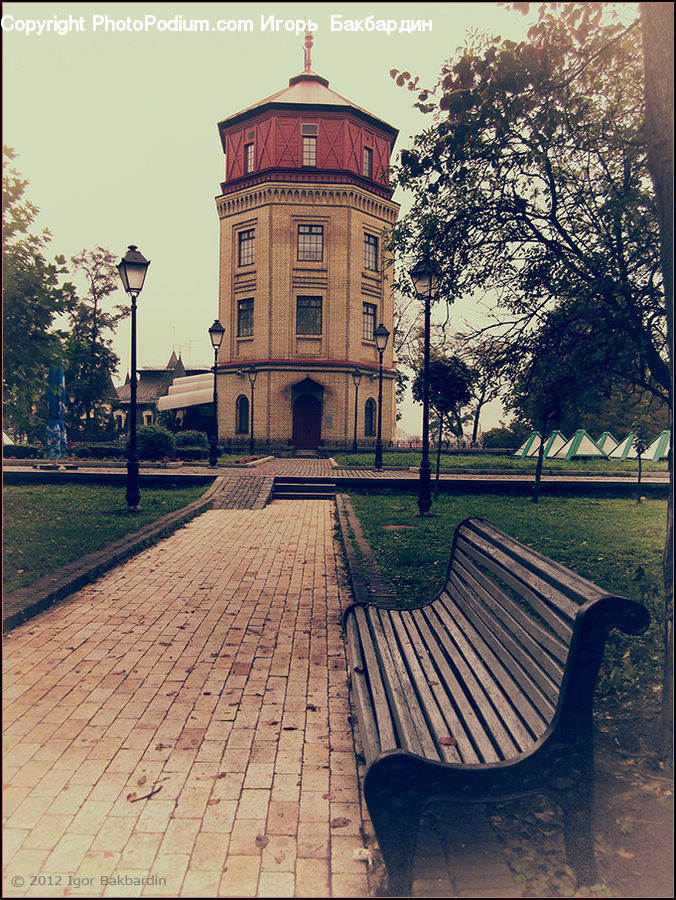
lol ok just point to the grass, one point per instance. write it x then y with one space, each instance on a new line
489 461
47 526
617 543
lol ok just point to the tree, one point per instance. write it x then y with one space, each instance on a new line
449 392
657 27
33 299
532 184
91 358
549 372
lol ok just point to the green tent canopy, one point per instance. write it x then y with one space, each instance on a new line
580 446
659 449
625 449
607 443
553 444
526 449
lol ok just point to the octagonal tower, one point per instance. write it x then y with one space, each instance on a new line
304 274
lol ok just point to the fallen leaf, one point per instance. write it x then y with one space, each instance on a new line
626 854
142 780
448 741
131 797
340 822
262 840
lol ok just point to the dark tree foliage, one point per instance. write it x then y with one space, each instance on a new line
33 297
450 390
531 184
91 360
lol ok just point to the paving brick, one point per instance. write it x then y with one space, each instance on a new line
209 668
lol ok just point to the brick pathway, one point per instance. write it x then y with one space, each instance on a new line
198 671
185 720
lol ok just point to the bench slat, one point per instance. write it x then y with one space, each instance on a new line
532 704
457 708
416 657
538 593
388 740
517 715
371 736
579 590
411 729
478 685
508 639
507 609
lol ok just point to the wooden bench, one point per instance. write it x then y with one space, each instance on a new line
484 693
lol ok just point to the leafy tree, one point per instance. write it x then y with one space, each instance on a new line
657 29
531 183
450 381
34 296
91 358
550 371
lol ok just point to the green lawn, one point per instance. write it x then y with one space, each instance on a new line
616 543
489 461
47 526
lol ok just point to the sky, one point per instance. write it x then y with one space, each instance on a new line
114 118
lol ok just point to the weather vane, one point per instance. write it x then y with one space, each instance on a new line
308 51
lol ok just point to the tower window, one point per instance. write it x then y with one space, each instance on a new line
309 151
369 322
246 247
248 158
370 417
368 162
245 323
310 243
371 252
242 414
308 315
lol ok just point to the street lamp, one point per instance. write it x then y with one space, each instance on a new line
252 373
216 333
422 276
132 269
381 334
356 378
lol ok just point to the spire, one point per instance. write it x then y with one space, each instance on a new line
308 51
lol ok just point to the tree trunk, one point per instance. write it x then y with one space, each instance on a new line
657 26
441 431
535 497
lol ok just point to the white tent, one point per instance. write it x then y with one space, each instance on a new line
625 449
553 444
607 442
580 446
6 440
659 449
526 449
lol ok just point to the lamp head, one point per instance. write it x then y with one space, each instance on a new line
216 333
132 269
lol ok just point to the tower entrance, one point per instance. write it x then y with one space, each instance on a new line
307 422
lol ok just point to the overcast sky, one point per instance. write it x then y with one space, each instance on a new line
116 128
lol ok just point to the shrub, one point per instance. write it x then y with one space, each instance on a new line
188 453
98 451
22 451
192 438
154 442
504 437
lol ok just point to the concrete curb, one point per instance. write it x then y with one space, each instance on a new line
366 580
25 603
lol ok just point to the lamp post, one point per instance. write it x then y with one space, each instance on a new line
381 335
422 276
132 269
252 373
356 378
216 333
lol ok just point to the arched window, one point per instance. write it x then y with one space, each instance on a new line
242 414
370 417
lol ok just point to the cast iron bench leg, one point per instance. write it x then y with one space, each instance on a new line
396 803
